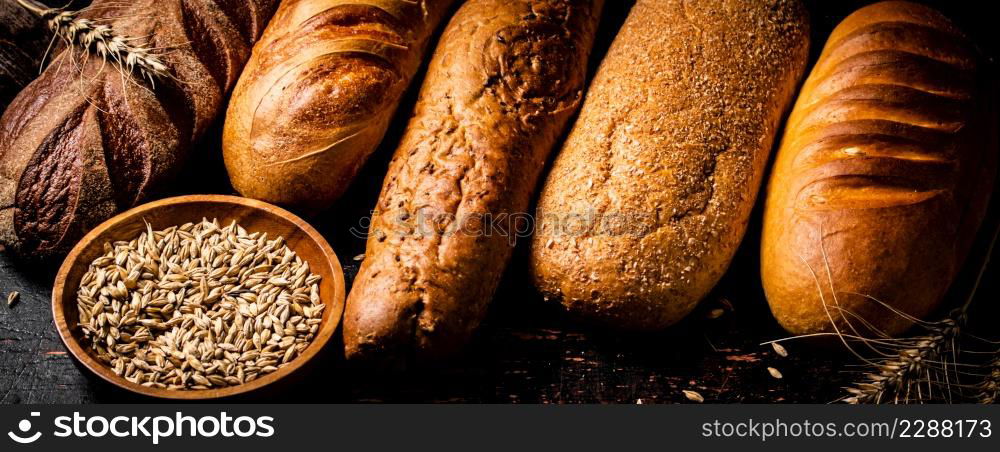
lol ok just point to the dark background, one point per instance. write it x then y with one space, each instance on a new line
526 351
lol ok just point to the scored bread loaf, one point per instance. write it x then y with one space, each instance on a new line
317 95
882 177
650 195
84 141
504 80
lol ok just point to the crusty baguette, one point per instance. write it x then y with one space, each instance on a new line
84 141
650 195
882 177
503 82
318 93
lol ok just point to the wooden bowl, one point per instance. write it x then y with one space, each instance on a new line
254 216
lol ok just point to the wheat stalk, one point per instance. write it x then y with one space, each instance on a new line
989 389
920 368
922 363
101 39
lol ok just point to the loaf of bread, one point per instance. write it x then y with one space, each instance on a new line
503 82
318 93
882 176
650 195
85 141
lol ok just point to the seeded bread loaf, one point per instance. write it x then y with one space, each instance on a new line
84 141
650 195
503 82
318 93
882 177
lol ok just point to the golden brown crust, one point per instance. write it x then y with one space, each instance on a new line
504 80
882 177
650 196
318 94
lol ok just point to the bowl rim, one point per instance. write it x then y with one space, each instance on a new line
323 336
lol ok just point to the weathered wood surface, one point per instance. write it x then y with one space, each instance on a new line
527 351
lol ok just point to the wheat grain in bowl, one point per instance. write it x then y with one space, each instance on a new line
198 306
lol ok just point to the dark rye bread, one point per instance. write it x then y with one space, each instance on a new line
82 143
883 175
503 82
650 195
318 93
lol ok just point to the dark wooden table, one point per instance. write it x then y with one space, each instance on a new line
526 351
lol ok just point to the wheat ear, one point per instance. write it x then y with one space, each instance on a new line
921 364
928 362
101 39
989 389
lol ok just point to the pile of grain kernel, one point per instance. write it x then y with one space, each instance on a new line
198 306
